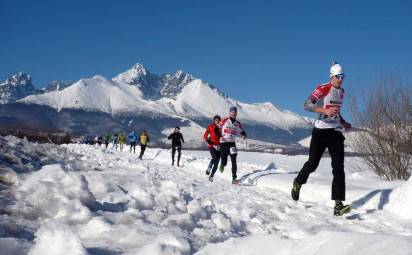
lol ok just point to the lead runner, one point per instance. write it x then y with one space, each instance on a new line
327 100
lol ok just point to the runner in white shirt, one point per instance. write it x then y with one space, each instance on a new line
230 128
327 100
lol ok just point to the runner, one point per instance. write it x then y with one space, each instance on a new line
122 140
133 140
177 139
230 128
327 101
115 140
143 141
212 138
107 139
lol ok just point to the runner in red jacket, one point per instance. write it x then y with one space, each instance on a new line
212 138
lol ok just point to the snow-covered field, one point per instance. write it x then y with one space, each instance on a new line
81 199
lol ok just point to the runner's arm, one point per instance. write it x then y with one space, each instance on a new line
242 131
311 106
344 123
206 135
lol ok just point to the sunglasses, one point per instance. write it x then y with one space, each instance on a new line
340 76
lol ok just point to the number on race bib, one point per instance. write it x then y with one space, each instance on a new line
233 150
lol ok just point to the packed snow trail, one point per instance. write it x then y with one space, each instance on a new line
97 201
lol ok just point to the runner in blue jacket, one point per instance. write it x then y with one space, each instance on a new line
133 140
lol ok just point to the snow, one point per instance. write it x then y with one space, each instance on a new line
95 93
164 244
258 244
164 100
325 242
12 246
400 200
305 142
130 75
83 199
56 238
16 87
197 100
67 195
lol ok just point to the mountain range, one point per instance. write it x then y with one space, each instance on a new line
138 99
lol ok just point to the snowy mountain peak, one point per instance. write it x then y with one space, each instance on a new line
150 84
99 78
56 85
155 86
16 87
139 94
183 77
173 85
134 76
139 69
21 78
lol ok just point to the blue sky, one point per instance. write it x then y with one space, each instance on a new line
255 51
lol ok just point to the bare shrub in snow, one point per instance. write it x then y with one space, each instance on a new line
384 114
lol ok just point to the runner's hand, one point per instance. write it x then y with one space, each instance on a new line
347 125
332 111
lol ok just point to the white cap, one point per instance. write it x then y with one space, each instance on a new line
335 69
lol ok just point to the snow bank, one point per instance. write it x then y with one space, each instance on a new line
52 192
16 156
400 200
54 238
109 202
323 243
96 227
342 243
259 244
12 246
164 244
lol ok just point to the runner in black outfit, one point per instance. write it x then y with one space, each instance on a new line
177 139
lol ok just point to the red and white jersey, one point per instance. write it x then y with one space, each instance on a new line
229 130
326 96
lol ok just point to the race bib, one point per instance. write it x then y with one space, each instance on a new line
233 150
329 117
